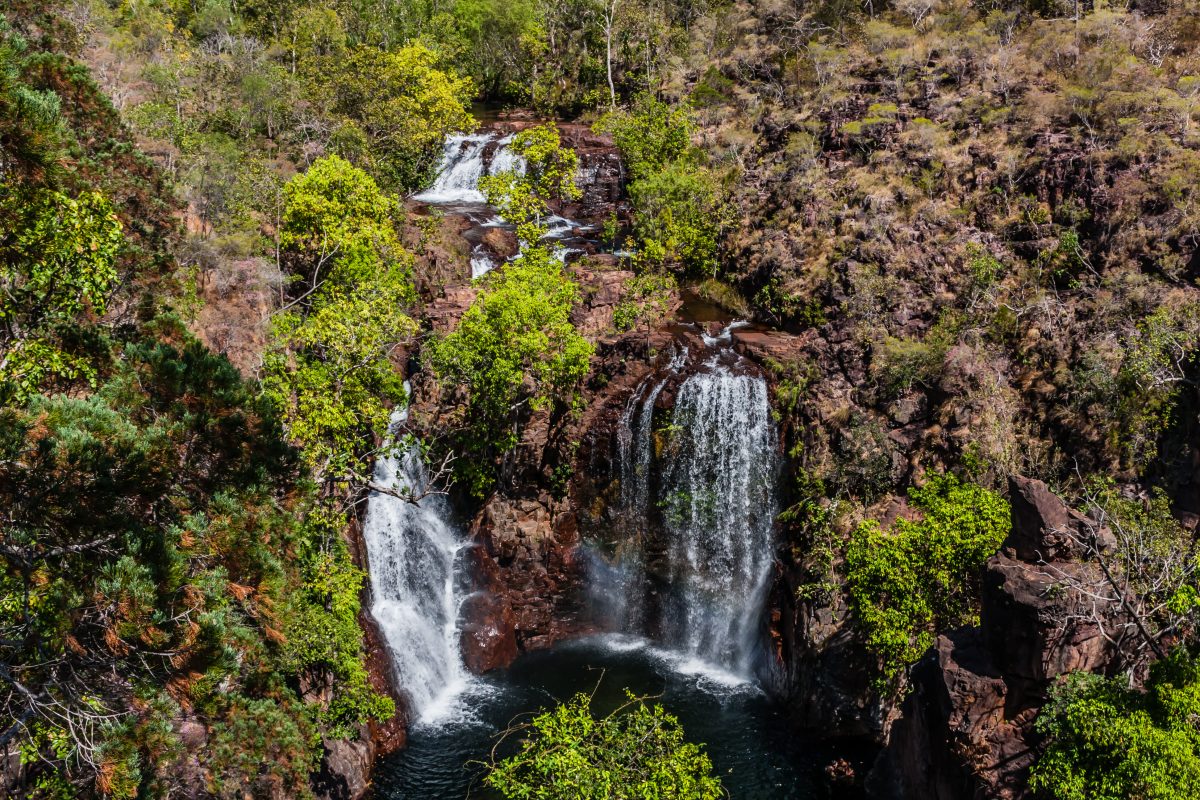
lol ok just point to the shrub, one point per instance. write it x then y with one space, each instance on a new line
918 578
678 218
1109 742
647 300
637 751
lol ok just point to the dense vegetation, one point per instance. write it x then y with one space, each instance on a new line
167 559
1108 741
635 751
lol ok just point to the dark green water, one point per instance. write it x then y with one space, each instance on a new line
747 737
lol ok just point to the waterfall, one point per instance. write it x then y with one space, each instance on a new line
718 506
412 549
464 161
715 494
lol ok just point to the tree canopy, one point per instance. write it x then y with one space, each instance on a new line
637 751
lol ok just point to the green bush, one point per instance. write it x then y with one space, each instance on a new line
647 300
678 218
634 753
917 579
1106 741
650 134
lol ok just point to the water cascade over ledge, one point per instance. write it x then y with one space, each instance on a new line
697 508
412 549
719 509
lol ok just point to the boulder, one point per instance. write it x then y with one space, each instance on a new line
345 771
489 635
500 242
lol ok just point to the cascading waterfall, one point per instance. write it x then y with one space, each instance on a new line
464 162
718 505
468 157
714 492
412 549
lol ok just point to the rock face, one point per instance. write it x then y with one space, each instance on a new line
967 730
527 564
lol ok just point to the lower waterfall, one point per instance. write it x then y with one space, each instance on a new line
697 510
412 549
718 506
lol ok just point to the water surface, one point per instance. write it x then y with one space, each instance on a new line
752 747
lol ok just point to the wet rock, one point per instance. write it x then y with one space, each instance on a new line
764 346
527 571
500 243
489 637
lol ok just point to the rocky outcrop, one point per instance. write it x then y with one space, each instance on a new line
527 572
967 728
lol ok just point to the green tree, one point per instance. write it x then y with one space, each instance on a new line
1106 741
907 584
514 350
403 103
637 751
328 367
56 269
678 218
650 134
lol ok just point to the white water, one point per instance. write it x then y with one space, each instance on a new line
412 549
715 493
718 505
481 263
464 162
468 157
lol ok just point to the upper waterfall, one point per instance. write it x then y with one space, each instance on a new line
412 549
467 157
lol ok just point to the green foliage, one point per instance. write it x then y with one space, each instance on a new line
678 210
261 748
1107 741
647 300
56 268
404 104
154 525
901 362
907 584
1159 357
524 198
328 368
514 350
322 635
678 218
637 751
30 131
650 134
